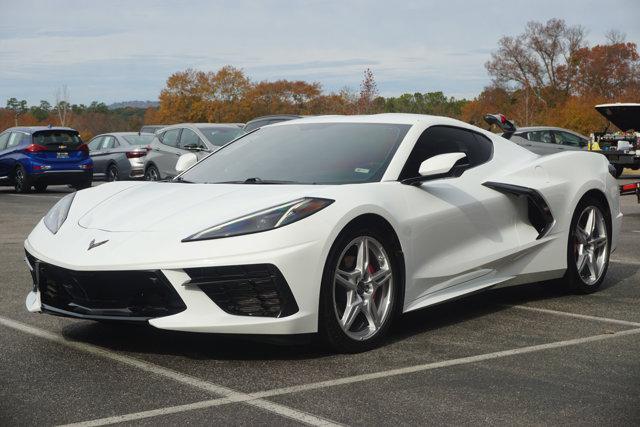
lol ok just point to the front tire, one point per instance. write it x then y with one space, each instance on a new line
619 170
360 291
589 246
40 187
82 186
21 180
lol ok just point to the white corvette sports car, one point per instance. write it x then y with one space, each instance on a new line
327 224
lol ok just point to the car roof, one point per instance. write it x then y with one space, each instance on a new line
275 116
34 129
391 118
197 125
539 128
122 134
530 128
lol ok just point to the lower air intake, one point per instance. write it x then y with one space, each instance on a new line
118 295
246 290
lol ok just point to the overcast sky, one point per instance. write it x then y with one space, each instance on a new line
125 50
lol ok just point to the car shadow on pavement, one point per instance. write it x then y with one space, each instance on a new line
142 338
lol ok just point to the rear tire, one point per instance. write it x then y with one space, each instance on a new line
21 180
375 302
152 174
112 173
588 247
40 188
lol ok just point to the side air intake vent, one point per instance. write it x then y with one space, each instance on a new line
246 290
539 213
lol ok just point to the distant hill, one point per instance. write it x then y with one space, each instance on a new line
133 104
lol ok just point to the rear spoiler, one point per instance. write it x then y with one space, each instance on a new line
630 189
501 121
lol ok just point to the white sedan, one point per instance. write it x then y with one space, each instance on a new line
332 224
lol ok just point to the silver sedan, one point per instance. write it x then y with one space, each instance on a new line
119 155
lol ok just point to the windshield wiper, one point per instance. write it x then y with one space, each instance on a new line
256 180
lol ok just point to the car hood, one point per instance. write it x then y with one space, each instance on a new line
163 206
624 116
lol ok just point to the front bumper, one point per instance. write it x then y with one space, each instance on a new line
137 295
203 312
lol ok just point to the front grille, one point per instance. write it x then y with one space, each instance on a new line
130 295
246 290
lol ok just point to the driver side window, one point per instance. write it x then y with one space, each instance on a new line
170 137
189 139
566 138
447 139
541 136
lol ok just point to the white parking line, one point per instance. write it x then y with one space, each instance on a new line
230 395
577 316
34 196
625 261
358 378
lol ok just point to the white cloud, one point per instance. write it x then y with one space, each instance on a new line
114 50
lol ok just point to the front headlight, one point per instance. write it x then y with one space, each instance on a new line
267 219
58 213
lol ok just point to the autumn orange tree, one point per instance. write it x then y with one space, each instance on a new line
548 75
228 95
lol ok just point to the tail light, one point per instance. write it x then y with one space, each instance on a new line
135 154
35 148
84 148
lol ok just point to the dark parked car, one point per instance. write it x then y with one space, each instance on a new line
258 122
151 128
173 141
119 155
39 156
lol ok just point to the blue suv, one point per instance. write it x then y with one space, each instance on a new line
39 156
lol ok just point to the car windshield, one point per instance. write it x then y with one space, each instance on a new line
310 153
219 136
142 139
57 137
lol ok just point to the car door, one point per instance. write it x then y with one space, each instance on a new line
101 160
569 141
458 229
110 148
541 142
95 151
5 170
166 153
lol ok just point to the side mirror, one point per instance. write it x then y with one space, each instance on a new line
186 161
440 166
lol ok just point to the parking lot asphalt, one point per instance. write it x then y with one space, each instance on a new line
524 355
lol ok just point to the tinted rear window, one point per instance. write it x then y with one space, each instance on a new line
67 138
139 139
